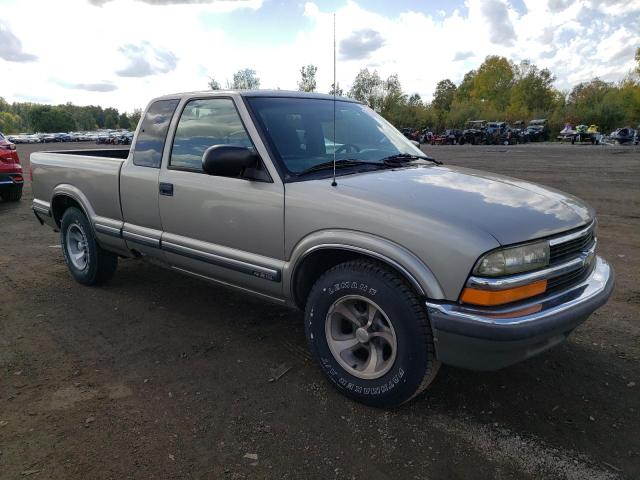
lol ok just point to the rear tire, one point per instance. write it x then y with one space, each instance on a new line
88 263
370 333
13 194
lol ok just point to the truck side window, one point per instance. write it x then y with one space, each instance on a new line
204 123
152 134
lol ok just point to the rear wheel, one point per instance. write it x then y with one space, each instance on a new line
89 263
13 194
370 334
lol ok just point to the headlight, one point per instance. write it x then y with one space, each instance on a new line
511 260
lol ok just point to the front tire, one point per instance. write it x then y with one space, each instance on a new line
88 263
370 334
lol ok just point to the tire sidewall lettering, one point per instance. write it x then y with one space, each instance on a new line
403 367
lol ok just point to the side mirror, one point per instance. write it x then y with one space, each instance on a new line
228 160
417 144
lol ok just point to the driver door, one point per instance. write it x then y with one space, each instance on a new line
226 229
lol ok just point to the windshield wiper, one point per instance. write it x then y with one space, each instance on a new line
407 157
390 161
348 162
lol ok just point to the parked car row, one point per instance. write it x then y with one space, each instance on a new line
118 137
481 132
115 138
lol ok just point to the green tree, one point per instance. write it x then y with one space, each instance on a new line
493 80
415 100
367 88
307 82
111 117
393 101
532 91
45 118
4 105
338 91
245 79
9 122
134 118
214 84
443 95
123 121
465 89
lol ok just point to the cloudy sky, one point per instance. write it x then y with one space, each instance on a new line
123 52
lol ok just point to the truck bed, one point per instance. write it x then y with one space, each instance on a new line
94 173
119 153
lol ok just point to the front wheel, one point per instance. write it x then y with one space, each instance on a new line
370 333
89 263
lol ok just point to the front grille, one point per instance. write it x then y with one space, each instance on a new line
564 251
561 282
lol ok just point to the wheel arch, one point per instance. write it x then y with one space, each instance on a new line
320 251
66 196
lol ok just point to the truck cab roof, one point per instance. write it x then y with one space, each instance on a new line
255 93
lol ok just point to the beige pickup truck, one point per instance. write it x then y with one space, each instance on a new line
400 263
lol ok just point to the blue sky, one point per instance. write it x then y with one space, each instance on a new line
123 52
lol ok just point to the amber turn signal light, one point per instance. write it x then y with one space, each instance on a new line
489 298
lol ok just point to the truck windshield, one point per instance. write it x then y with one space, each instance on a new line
300 132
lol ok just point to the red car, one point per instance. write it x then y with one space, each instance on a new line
11 179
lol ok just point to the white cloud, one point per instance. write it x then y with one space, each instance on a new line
459 56
105 86
144 60
361 44
122 53
501 28
11 46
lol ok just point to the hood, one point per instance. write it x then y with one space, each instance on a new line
509 209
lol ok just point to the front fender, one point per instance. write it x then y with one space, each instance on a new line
395 255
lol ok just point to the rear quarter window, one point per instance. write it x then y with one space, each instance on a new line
153 133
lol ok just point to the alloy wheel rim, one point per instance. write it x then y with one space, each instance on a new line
77 247
361 337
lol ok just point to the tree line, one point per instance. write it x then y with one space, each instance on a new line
34 117
498 89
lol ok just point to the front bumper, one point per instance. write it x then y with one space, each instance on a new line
489 339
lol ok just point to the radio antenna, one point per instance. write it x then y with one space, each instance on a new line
333 183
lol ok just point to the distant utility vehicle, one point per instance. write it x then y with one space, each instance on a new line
398 262
474 133
537 130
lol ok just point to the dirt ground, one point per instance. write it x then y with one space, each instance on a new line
160 376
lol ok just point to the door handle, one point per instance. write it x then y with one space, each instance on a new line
166 189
